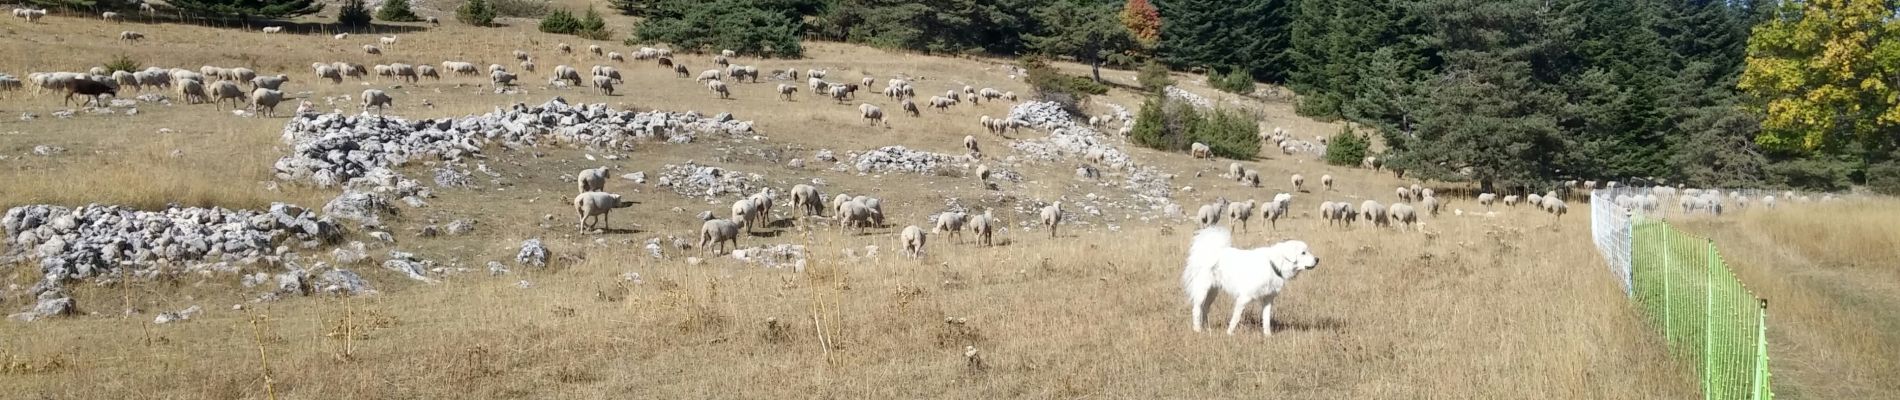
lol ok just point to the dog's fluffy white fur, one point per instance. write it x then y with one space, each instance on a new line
1246 274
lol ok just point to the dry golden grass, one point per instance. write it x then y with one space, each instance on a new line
1829 273
1481 307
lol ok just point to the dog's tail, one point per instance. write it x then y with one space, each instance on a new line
1205 252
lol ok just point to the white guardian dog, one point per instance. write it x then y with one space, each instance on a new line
1246 274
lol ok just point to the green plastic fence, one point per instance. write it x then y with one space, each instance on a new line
1706 316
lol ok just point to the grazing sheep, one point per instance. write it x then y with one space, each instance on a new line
372 50
597 204
745 212
952 222
1405 195
1051 217
969 142
193 91
1210 214
1534 198
131 36
806 199
1510 200
460 67
913 241
1327 181
985 228
909 107
376 98
718 87
1344 214
275 82
1250 177
340 36
225 90
1430 204
853 213
1404 214
1200 150
1298 181
273 29
265 100
1485 199
815 73
387 40
328 72
1557 208
92 90
527 65
715 233
1234 170
604 84
1768 201
722 61
840 93
983 172
502 78
785 91
124 79
1416 190
1425 193
707 75
989 94
592 179
615 56
564 48
873 114
682 70
568 74
1370 162
1326 211
1240 212
940 103
1374 213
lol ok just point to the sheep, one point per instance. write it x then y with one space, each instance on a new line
1427 192
265 100
1768 201
270 82
376 98
426 71
131 36
1234 170
1430 204
1557 208
989 94
815 73
1486 199
1200 150
604 85
1250 177
1276 209
372 50
715 233
1374 213
818 86
1327 181
718 87
273 29
615 56
124 79
340 36
387 40
1370 162
225 90
785 91
1343 214
707 75
1298 181
940 103
501 78
873 114
877 209
1405 195
496 67
527 65
1210 214
840 93
913 241
564 48
745 212
853 213
762 202
1404 214
91 89
985 228
597 204
1326 211
722 61
1416 190
969 142
806 199
1534 198
1240 212
1051 217
1510 200
111 16
351 70
952 222
432 20
328 72
192 91
592 179
8 83
460 67
909 107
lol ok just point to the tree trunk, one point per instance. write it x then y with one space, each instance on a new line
1485 186
1096 68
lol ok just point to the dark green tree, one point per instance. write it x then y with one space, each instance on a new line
397 11
1251 35
353 13
476 12
629 7
933 26
560 21
1347 148
738 25
244 10
1090 33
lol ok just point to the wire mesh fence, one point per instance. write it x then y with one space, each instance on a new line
1683 287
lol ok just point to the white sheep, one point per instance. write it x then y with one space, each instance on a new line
873 114
1239 212
125 79
564 48
1277 209
1250 177
785 91
719 87
913 241
1052 217
1326 211
225 90
985 228
909 107
592 179
1200 150
501 78
427 71
1298 181
460 67
328 72
372 50
340 36
815 73
131 36
1404 214
1534 198
806 199
615 56
273 29
1374 213
527 65
1557 208
744 212
1210 214
1343 214
853 213
969 142
1327 181
1510 200
376 98
951 222
722 61
983 172
387 40
762 206
265 100
1768 201
1430 204
1405 195
193 91
715 233
567 74
1485 199
597 204
274 82
1425 193
604 84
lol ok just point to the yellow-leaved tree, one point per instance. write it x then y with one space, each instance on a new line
1826 74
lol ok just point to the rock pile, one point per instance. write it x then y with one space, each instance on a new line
84 242
902 159
1189 97
773 256
694 180
1067 138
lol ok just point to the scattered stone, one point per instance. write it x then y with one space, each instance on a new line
409 265
47 150
694 180
96 240
902 159
180 316
639 177
343 281
497 268
532 254
460 227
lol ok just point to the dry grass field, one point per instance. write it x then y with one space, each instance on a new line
1509 305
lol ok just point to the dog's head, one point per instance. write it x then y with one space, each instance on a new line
1296 254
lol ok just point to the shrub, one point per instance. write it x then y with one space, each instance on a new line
1049 84
741 26
123 63
1347 149
1813 174
475 12
520 8
397 11
592 27
629 7
1884 178
1173 125
1237 81
1154 77
560 21
353 13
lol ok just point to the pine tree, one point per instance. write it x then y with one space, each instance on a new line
397 11
1488 117
629 7
1220 34
1084 31
476 12
1143 21
353 14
